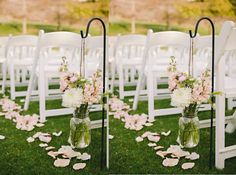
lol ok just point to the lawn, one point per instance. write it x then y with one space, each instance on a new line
126 155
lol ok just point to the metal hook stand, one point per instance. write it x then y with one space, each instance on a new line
212 76
103 160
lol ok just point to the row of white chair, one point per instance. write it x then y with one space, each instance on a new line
34 61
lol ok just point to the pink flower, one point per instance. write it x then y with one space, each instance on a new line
182 78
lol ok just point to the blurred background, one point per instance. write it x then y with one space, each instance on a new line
28 16
135 16
124 16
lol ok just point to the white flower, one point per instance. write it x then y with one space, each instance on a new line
72 98
181 97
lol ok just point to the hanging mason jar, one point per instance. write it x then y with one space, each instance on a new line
80 133
189 134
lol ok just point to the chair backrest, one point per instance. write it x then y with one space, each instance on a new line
161 46
22 46
94 54
129 46
4 40
54 45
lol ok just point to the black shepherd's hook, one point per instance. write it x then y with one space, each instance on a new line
104 75
212 74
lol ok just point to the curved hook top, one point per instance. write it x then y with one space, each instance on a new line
88 26
196 27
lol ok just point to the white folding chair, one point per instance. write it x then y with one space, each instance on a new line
20 55
51 48
227 86
159 47
128 55
3 60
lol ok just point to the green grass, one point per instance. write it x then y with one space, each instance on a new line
130 157
126 155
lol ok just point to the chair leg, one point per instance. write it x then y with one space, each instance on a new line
150 91
220 132
138 89
29 91
12 82
42 93
121 82
4 77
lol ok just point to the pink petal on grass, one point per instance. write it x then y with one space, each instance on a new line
152 138
168 162
53 154
193 156
45 139
61 162
79 166
84 156
162 153
188 165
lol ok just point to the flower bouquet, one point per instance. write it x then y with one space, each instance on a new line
188 93
79 93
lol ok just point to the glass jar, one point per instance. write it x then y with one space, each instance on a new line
189 134
80 133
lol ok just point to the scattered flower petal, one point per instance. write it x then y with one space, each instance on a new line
45 139
188 165
49 148
139 139
30 139
61 162
2 137
169 162
42 145
57 134
53 154
158 147
84 156
162 153
148 124
79 166
39 125
166 133
152 138
193 156
152 144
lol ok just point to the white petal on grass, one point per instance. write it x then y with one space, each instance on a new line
193 156
30 139
43 145
169 162
148 124
39 125
188 165
111 136
2 137
57 133
166 133
79 166
22 100
37 134
61 162
49 148
2 114
152 144
139 139
158 147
